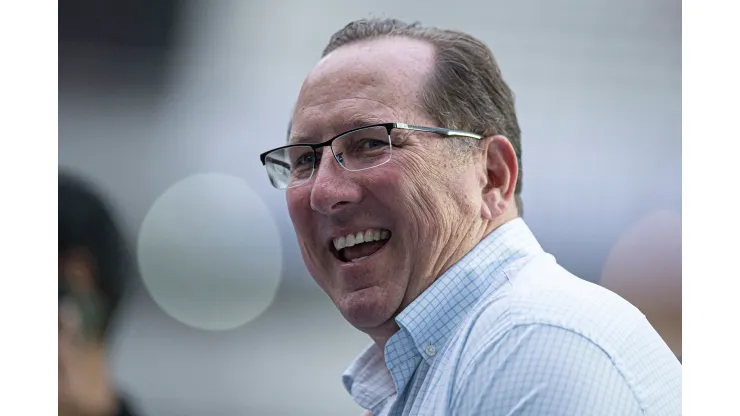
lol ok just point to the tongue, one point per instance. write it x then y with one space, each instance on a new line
362 250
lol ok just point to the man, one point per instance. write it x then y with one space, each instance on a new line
92 280
402 178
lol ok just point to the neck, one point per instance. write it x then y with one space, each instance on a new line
463 244
383 334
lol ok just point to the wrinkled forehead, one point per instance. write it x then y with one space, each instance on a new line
365 83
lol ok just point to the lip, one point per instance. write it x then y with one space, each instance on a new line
349 266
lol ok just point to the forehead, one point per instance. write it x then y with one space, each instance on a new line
378 81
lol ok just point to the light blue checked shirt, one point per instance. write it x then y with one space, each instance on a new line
507 331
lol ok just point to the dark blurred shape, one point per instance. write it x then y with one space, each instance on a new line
93 276
116 41
119 24
87 226
644 267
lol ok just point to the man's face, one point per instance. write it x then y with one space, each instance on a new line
422 200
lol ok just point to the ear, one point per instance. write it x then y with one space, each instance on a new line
501 173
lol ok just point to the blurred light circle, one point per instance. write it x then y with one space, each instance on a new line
644 267
209 252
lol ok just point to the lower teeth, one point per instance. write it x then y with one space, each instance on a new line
358 259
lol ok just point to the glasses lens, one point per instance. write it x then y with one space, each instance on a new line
363 149
290 167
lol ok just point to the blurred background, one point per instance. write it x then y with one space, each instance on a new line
167 104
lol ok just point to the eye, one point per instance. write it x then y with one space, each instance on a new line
372 144
305 159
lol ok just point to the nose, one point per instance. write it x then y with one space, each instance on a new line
333 187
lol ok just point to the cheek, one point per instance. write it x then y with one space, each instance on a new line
395 190
298 205
464 191
412 196
435 193
422 183
299 209
302 216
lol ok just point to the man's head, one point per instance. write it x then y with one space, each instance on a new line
465 89
435 197
92 259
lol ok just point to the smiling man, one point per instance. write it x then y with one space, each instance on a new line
402 177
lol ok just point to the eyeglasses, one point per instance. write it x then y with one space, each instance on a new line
355 150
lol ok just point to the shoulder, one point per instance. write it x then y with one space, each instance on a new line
541 369
545 294
549 327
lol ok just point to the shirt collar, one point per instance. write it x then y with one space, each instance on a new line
367 379
430 319
427 323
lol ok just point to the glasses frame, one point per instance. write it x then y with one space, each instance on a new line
388 127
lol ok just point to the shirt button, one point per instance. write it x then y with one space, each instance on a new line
431 350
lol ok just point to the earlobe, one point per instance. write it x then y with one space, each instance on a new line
485 212
493 204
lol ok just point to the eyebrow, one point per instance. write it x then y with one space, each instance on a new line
300 140
361 120
354 121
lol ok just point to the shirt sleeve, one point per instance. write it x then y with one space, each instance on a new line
542 370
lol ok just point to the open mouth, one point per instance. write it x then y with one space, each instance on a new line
356 247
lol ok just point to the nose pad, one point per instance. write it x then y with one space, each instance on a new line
339 158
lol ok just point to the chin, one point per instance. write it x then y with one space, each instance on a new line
367 308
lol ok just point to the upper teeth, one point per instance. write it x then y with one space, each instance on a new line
371 234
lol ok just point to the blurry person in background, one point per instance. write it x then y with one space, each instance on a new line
93 271
402 175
